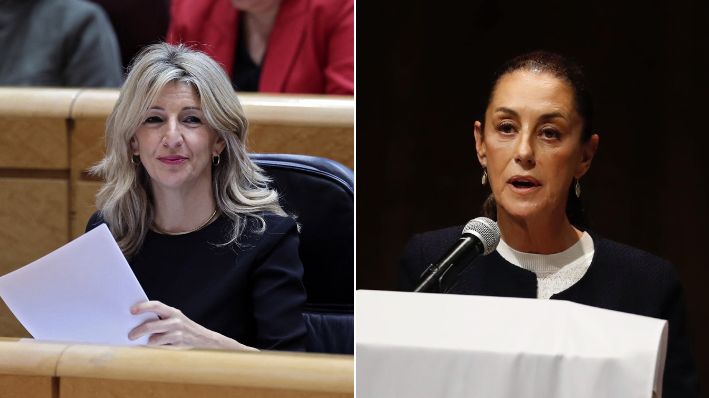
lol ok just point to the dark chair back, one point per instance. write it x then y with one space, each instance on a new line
320 193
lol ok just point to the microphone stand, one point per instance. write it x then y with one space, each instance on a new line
436 272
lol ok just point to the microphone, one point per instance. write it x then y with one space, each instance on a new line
480 236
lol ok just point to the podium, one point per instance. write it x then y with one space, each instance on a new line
433 345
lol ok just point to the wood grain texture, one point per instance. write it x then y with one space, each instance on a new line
15 386
264 370
35 101
34 127
9 325
84 205
299 110
31 358
34 142
34 219
287 109
76 387
336 143
33 222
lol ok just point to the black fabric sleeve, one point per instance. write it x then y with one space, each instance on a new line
278 292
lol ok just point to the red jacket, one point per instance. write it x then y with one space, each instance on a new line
310 50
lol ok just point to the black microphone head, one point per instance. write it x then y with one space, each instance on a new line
486 230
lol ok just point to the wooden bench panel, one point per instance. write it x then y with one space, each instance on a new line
27 369
102 371
42 369
84 193
33 217
34 132
73 387
17 386
335 143
34 223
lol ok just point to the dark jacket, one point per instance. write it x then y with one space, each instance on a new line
620 278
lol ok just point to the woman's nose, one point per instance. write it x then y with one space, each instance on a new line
524 151
173 135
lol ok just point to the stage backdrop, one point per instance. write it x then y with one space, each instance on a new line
421 72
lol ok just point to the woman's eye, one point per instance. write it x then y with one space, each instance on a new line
153 119
551 134
192 120
507 128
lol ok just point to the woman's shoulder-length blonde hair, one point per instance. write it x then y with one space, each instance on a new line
240 188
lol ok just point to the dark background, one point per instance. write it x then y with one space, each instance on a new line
421 72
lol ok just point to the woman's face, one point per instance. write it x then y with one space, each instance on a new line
174 142
531 144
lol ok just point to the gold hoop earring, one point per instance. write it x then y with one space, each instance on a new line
135 159
216 159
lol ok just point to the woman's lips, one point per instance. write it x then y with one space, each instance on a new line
524 184
172 160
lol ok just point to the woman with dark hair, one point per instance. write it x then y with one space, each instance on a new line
535 143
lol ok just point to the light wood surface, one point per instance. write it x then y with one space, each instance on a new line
84 205
335 143
34 101
64 370
34 130
29 357
75 387
33 219
16 386
302 372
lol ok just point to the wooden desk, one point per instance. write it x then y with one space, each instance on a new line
36 369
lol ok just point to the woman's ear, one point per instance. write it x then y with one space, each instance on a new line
480 144
588 151
134 145
219 146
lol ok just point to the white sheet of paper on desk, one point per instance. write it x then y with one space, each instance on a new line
81 292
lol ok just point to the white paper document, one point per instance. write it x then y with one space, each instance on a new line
81 292
418 345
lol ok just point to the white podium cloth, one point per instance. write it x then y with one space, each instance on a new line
433 345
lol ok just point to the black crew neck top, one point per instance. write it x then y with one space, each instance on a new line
251 292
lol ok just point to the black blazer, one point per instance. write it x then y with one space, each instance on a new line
251 292
620 278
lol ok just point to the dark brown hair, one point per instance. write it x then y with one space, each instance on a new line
570 72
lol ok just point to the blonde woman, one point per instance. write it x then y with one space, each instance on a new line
205 236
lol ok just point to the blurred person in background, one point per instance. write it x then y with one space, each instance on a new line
277 46
57 43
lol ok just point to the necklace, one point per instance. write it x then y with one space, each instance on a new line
204 224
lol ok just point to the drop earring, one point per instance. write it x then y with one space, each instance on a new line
483 180
577 189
